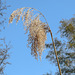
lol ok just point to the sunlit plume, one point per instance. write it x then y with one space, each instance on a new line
37 29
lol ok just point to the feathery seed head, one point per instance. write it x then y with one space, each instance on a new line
37 31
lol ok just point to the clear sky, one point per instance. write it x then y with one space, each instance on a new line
22 62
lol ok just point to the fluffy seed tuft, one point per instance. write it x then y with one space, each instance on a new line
37 30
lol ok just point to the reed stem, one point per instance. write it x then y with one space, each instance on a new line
55 52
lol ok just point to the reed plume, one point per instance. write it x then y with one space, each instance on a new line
37 30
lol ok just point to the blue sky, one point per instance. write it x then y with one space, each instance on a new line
22 62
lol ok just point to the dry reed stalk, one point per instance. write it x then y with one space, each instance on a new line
55 52
37 31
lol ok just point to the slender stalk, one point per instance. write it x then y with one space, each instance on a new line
55 52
